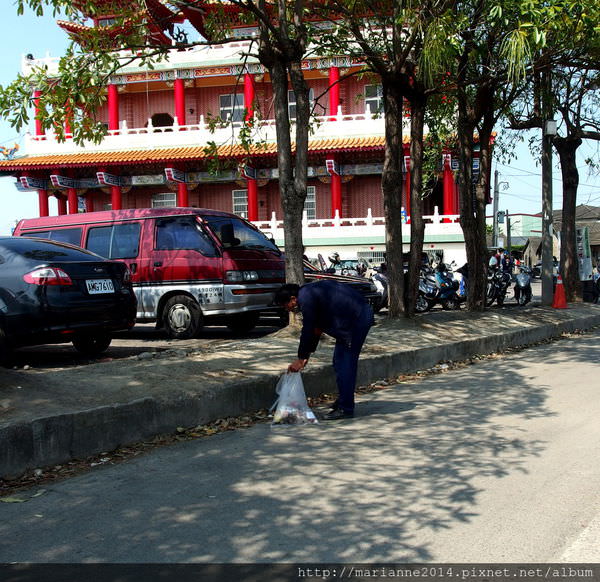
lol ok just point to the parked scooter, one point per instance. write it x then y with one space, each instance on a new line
437 286
498 284
380 281
522 288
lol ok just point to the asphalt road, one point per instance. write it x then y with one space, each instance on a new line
495 462
146 338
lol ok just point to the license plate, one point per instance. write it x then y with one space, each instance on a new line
96 286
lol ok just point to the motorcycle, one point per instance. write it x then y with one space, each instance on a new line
522 290
497 286
437 286
380 281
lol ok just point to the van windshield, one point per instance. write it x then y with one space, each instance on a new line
235 233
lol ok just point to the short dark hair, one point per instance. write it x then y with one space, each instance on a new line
285 293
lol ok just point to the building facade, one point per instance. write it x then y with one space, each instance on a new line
160 121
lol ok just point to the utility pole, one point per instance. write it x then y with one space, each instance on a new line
495 211
548 133
508 234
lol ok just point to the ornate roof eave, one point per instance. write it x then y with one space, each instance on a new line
183 154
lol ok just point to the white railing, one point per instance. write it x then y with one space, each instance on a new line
340 126
435 224
200 134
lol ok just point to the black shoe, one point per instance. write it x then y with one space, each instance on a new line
335 405
338 414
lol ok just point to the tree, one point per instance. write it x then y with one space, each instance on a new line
570 61
76 91
390 37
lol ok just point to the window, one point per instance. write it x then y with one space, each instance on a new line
231 107
183 232
235 232
68 235
373 258
292 102
120 241
164 200
310 204
374 98
240 203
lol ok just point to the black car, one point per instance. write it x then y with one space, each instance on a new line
52 292
364 286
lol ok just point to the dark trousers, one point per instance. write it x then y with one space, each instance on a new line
345 360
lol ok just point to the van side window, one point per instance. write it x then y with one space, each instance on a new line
119 241
68 235
183 232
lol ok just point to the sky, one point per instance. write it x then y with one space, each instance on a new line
520 190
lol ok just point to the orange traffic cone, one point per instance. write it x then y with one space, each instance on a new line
560 299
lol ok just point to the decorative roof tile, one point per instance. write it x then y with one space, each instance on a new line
181 154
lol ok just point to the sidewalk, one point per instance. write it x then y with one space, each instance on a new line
47 419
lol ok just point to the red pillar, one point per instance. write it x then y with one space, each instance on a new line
62 205
448 188
39 130
252 199
249 94
89 204
113 107
180 101
336 194
72 200
182 195
334 90
115 198
43 203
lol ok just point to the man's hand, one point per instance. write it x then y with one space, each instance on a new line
297 365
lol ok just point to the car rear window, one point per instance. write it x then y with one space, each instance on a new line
44 251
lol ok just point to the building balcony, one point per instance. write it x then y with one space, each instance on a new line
357 126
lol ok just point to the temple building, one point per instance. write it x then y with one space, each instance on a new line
160 121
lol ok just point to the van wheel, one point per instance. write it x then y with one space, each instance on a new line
92 345
182 317
244 322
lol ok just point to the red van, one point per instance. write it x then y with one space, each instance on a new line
189 266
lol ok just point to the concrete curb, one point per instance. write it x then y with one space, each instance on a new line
59 438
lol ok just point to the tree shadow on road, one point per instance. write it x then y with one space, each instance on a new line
375 488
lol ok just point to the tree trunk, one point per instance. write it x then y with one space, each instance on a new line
391 184
417 225
291 201
476 259
569 263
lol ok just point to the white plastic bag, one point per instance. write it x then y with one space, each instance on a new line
291 406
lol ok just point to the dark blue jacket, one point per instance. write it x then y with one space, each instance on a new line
330 307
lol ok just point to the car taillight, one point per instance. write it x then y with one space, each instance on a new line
47 276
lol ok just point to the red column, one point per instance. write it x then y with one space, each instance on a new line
89 204
252 199
448 188
249 94
182 195
180 101
43 202
336 194
115 198
113 107
72 200
334 90
62 204
39 130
